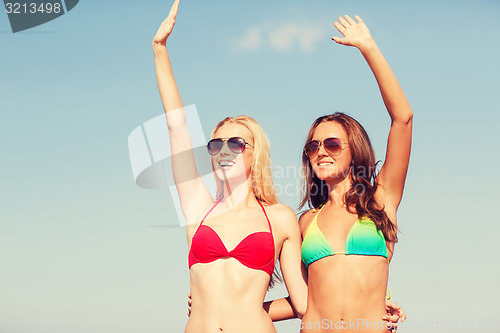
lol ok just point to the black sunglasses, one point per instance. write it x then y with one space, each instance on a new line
235 144
332 145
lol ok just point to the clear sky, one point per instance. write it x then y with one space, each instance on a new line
83 249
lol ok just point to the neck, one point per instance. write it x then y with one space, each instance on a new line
238 193
337 191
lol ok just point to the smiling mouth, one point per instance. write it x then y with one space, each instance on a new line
226 164
325 164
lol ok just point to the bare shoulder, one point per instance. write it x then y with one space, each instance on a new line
305 219
282 217
281 213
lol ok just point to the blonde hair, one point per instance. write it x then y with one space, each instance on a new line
261 174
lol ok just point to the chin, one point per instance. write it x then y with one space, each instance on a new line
330 174
230 174
323 173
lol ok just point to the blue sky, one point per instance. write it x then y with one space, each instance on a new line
83 249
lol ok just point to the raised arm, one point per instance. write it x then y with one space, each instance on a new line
393 173
193 194
169 92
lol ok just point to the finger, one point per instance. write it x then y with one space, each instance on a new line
339 27
338 40
358 19
393 319
349 19
174 9
176 4
391 326
391 304
344 22
402 314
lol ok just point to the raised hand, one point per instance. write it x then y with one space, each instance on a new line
355 33
167 25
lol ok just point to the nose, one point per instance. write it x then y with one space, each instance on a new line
225 149
322 151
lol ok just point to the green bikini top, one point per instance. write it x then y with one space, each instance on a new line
363 239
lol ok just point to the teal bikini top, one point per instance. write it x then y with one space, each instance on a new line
363 239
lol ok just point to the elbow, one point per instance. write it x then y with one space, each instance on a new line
409 119
300 310
406 119
300 315
176 119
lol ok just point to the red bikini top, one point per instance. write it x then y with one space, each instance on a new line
255 251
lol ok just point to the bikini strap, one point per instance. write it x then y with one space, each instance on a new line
317 211
268 222
215 205
315 218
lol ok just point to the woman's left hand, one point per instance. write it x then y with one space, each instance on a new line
355 33
394 313
167 25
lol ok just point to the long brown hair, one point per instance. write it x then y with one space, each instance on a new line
360 197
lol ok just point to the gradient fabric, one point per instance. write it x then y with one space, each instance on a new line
363 239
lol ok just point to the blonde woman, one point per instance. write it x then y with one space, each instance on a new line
236 238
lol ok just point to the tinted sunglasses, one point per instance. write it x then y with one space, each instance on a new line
332 145
236 145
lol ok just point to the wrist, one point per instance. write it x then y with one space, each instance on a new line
159 48
368 46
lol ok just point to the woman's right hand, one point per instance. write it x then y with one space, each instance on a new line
167 25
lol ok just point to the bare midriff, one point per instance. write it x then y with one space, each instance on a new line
227 297
346 294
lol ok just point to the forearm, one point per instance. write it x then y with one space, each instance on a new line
167 87
280 309
394 98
